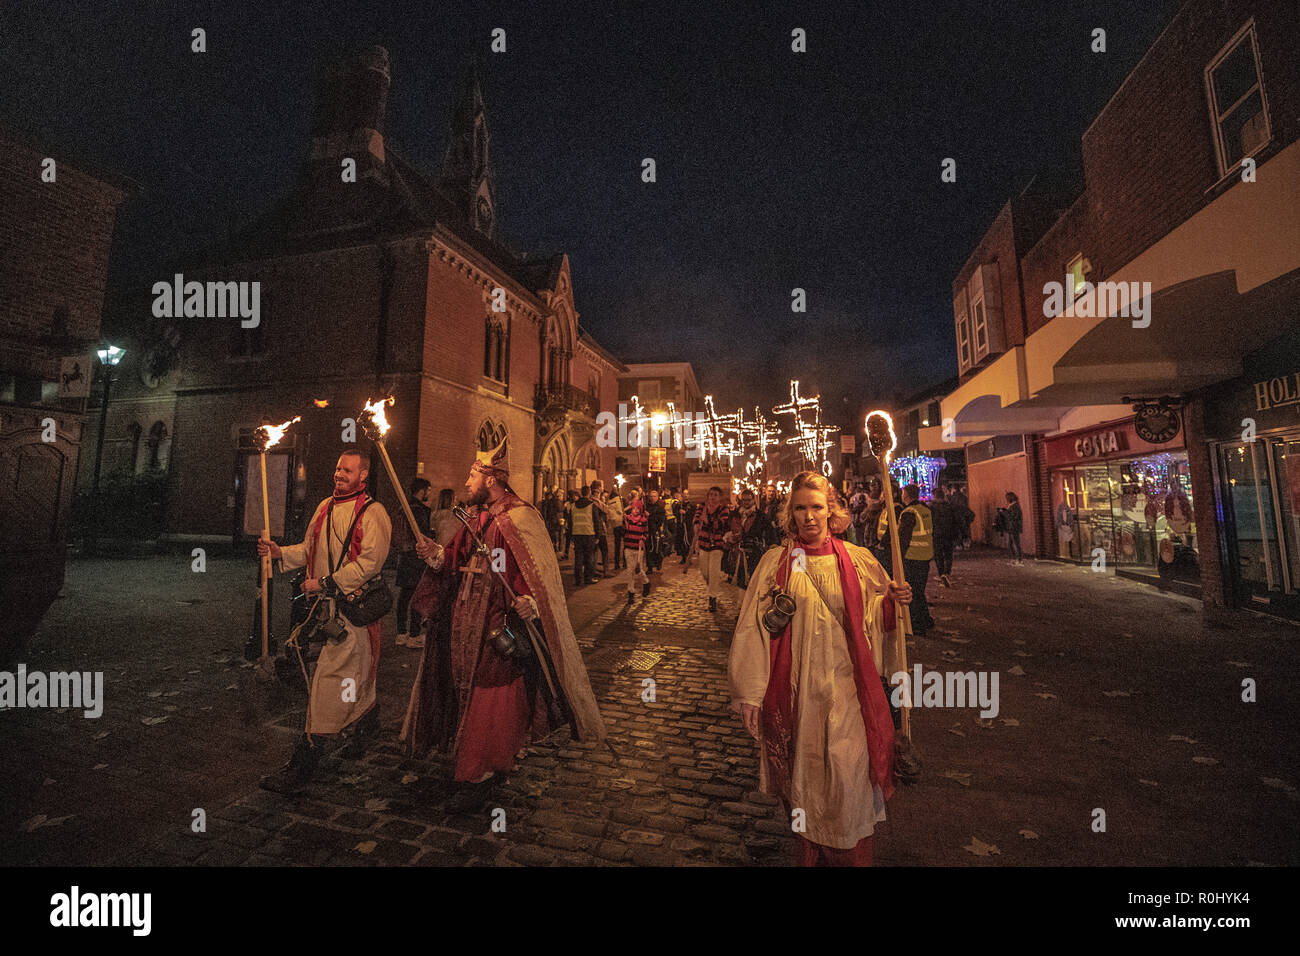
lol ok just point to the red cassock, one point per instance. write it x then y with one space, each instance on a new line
469 699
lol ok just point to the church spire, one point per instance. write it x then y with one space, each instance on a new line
466 170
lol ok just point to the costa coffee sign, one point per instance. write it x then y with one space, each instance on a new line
1113 440
1098 445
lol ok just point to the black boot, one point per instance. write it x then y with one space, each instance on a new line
645 589
473 797
630 597
294 775
713 604
365 733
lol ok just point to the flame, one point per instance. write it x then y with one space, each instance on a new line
376 412
275 432
321 402
619 480
893 439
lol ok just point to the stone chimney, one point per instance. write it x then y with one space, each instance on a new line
349 116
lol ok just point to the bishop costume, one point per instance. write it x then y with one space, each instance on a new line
469 699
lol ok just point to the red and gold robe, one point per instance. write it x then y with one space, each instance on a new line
468 699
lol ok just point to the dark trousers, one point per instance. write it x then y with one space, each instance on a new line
917 574
584 559
618 547
1013 538
557 536
653 559
943 555
602 545
408 621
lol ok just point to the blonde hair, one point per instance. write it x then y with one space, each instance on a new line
838 516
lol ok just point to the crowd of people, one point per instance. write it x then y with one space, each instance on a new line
481 592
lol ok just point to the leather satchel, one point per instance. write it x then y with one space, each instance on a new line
372 600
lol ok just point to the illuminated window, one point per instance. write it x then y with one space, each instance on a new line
1075 270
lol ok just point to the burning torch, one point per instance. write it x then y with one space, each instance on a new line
268 436
880 437
375 425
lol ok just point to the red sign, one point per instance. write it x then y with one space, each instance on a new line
1101 443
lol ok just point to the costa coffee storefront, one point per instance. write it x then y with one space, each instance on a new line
1129 496
1253 423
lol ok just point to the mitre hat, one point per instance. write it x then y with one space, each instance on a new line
493 462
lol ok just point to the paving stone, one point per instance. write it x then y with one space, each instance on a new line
721 790
712 833
402 830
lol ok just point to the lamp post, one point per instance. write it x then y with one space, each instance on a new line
109 357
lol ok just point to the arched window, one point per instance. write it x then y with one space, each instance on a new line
496 349
133 432
489 435
159 444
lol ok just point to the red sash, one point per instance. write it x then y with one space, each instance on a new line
778 715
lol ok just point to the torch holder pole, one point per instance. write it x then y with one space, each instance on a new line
902 613
397 489
266 562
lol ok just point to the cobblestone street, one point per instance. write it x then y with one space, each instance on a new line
1112 697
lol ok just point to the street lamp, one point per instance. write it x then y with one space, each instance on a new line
109 356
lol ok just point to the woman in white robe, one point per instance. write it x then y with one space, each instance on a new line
823 768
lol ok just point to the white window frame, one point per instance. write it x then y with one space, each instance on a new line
1247 32
965 351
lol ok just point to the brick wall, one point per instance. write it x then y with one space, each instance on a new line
54 248
1214 589
1149 156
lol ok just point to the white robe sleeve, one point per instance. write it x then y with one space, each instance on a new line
295 555
750 660
875 584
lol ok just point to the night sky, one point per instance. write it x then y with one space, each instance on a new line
775 170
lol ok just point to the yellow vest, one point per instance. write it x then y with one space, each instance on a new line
921 545
582 520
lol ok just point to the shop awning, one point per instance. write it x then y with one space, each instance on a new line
1199 331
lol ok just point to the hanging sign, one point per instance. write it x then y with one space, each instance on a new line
1157 424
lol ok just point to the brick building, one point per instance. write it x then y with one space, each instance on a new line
656 386
375 279
56 227
1113 353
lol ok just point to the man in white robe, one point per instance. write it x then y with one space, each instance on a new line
342 695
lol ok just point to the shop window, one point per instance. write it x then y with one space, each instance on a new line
1238 110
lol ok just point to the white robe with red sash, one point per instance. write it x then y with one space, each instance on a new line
343 686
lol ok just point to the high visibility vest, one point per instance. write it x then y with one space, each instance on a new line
882 526
582 520
921 545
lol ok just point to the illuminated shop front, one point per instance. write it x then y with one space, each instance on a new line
1117 496
1256 420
